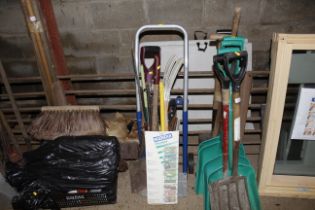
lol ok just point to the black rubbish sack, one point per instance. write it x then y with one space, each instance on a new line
36 194
67 169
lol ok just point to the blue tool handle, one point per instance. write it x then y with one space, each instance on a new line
139 125
185 141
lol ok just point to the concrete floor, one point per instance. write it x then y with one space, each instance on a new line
129 201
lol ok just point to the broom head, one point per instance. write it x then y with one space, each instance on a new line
56 121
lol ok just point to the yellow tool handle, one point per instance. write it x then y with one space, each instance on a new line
162 107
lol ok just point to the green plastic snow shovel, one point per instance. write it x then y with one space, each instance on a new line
228 44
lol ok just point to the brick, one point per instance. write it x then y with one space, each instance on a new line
73 15
261 60
125 64
106 63
261 35
220 12
81 65
5 3
20 68
306 27
250 12
283 11
16 47
182 12
114 63
117 14
12 19
90 43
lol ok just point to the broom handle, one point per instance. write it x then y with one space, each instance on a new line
237 130
225 104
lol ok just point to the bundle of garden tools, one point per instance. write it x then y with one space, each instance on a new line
224 173
156 110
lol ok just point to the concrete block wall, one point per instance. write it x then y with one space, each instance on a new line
98 35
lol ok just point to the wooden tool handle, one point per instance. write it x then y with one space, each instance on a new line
217 36
217 101
236 21
226 97
237 130
235 25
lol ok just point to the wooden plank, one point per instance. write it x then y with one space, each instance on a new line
120 76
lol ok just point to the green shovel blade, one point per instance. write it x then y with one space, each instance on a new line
213 171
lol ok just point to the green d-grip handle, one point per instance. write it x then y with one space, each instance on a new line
235 67
231 44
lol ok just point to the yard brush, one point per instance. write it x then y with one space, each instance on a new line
56 121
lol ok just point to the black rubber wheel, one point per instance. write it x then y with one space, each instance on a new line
191 163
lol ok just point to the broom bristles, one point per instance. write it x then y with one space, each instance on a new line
57 121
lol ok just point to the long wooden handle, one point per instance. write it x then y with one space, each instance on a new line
237 130
225 139
236 21
216 115
235 25
42 59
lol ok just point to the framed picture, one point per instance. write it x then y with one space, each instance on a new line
287 167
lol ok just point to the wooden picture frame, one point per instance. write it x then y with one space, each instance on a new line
281 55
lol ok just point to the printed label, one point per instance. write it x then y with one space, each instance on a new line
237 129
162 166
32 18
237 100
